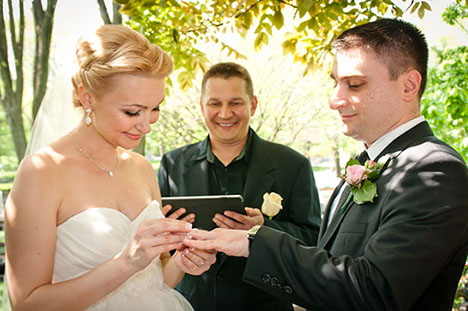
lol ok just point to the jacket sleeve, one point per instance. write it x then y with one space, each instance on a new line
302 215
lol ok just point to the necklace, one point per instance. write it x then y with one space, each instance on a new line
89 157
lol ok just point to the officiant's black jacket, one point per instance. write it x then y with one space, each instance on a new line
271 167
405 251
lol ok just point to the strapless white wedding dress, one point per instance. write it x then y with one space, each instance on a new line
95 235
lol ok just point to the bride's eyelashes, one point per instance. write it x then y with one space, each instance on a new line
132 113
136 113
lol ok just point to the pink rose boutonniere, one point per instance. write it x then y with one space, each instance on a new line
360 179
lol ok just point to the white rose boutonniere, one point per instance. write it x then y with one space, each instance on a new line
271 204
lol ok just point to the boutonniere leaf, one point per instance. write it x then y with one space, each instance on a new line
360 179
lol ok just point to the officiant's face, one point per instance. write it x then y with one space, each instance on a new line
126 112
227 108
367 99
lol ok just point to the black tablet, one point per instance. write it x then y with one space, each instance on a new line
205 207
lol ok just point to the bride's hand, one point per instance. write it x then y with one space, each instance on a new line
194 261
152 238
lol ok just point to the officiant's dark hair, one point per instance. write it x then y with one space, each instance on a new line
398 44
114 50
228 70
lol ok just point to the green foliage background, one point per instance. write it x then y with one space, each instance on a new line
445 102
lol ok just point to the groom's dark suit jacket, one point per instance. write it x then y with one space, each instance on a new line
405 251
271 167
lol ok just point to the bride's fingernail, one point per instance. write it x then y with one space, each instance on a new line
188 226
188 236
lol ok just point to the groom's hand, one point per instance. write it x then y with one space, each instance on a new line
230 242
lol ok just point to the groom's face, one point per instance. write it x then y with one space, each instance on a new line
365 96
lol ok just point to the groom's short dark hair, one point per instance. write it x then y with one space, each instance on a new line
398 44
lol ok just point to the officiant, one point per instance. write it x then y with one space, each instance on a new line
233 159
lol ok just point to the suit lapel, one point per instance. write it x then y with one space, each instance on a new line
329 232
196 173
326 214
343 207
260 174
393 150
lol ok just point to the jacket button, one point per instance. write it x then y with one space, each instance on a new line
266 278
219 278
288 289
275 281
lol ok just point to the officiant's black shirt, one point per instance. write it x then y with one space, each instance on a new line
229 179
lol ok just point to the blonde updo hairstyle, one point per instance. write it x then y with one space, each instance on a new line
114 50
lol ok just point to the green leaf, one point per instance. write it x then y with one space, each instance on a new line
278 19
352 161
261 38
366 193
185 80
421 12
415 7
426 6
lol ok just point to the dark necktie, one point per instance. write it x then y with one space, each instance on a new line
363 157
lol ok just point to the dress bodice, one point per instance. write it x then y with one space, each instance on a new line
96 235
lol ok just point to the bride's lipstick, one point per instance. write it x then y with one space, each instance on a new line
133 137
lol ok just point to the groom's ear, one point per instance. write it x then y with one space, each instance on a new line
85 97
411 85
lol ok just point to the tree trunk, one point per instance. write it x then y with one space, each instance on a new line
337 161
15 121
11 91
44 22
117 17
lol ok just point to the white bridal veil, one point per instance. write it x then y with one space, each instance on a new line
56 116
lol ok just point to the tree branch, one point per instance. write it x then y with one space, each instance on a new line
116 16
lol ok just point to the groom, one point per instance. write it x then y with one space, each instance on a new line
407 248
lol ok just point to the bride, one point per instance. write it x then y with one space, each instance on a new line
84 227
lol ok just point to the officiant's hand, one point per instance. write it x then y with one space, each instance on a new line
194 261
230 242
190 218
233 220
152 238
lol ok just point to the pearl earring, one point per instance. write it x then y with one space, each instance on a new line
88 116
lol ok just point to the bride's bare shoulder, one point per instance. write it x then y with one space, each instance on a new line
45 160
134 159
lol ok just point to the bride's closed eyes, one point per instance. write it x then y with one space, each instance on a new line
137 112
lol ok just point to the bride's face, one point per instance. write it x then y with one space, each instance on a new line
123 114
